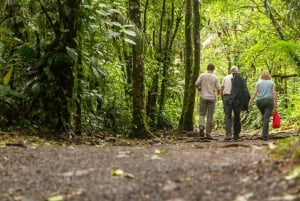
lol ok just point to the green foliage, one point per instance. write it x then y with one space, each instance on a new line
288 148
294 173
10 100
35 75
290 114
234 32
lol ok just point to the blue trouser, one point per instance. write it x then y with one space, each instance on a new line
207 107
236 124
265 107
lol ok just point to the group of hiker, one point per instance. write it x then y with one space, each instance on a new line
236 98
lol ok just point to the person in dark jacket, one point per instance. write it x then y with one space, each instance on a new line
235 96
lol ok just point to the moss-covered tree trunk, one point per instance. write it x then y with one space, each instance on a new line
168 29
193 72
59 67
140 129
196 68
152 112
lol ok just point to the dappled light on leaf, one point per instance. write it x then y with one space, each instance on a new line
272 146
7 77
295 173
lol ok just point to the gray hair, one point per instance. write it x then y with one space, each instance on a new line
234 69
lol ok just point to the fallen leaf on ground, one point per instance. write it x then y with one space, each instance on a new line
170 186
285 198
55 198
160 151
121 173
243 197
155 157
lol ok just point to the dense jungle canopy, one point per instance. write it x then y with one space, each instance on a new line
129 67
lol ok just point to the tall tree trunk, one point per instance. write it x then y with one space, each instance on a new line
196 68
152 97
61 60
145 16
183 123
153 91
188 118
151 101
153 88
164 56
79 92
140 129
161 119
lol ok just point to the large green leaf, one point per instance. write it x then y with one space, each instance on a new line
7 77
72 53
129 32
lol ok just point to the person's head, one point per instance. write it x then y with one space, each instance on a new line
210 67
265 75
234 69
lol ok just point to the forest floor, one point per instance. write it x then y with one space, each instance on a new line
181 168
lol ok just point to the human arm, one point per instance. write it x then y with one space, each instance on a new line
218 87
221 92
218 91
254 94
198 83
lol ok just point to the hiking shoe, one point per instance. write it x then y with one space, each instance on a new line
263 138
227 138
201 132
236 138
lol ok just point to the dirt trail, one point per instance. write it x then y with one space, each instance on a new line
186 170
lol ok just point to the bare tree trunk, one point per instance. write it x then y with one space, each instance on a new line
188 64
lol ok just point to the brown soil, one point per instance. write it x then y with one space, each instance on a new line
184 168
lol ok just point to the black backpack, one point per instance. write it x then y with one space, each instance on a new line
239 96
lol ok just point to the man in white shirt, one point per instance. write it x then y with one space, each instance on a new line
229 94
207 84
